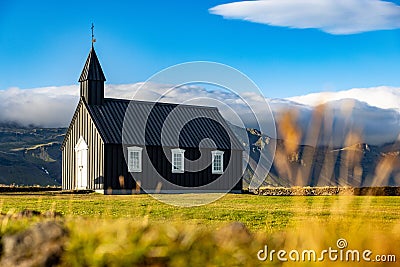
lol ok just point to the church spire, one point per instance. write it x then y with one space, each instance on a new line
92 69
92 79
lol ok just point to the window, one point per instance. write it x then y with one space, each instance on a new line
178 160
217 162
135 159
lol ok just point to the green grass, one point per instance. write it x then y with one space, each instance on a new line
138 230
258 213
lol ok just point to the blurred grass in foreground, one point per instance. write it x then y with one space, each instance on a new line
140 231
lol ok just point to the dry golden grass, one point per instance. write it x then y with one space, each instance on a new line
139 231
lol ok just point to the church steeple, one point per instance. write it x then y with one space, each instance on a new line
92 79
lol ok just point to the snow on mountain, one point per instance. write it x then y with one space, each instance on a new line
384 97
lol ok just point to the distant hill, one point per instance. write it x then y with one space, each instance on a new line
356 165
30 155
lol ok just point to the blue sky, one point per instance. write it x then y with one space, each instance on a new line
45 43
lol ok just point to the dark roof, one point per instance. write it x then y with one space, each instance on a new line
198 122
92 69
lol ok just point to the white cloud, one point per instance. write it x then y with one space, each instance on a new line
331 16
384 97
48 106
375 112
333 123
377 117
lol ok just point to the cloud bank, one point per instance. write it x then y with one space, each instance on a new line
384 97
48 107
374 112
333 122
330 16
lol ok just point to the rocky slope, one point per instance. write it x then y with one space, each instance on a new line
31 156
300 165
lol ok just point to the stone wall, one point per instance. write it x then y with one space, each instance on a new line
326 191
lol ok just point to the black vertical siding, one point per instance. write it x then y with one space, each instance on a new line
94 96
106 162
82 125
115 166
158 164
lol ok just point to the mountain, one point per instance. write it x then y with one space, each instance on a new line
355 165
31 155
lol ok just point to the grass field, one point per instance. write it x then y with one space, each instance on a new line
258 213
97 221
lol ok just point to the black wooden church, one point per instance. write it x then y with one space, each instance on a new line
95 157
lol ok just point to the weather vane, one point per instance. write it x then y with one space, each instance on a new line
93 39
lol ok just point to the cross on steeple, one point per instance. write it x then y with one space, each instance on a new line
93 40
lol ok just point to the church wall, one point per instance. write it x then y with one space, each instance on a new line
83 125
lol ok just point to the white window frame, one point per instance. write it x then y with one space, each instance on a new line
179 153
213 166
131 163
